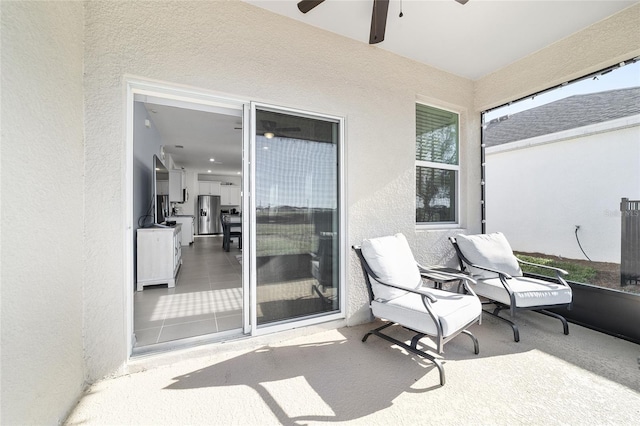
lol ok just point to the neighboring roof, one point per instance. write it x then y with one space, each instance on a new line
569 113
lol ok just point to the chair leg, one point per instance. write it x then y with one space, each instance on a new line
516 333
476 347
514 327
562 319
409 348
416 339
376 331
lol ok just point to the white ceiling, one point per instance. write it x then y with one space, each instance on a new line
470 40
202 132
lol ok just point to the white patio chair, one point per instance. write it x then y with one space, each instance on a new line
490 260
397 295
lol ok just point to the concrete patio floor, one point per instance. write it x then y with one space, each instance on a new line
330 376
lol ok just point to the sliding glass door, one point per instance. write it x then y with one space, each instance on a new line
296 228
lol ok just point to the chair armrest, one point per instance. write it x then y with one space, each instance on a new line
429 296
495 271
421 292
557 270
372 274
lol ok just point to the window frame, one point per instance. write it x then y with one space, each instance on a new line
441 166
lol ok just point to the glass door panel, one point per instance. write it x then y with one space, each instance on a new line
296 201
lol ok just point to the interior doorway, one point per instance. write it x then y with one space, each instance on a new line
277 260
195 292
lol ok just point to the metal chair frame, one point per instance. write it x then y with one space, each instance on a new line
512 308
427 300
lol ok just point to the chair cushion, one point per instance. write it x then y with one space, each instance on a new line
529 292
391 259
455 311
490 250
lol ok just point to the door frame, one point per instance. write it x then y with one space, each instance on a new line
179 96
342 224
185 95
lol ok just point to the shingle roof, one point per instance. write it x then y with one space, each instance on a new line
574 111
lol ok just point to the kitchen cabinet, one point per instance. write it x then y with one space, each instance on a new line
208 188
159 256
176 185
229 195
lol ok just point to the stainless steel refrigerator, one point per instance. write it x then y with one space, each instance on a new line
208 214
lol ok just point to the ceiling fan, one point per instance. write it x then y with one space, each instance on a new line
271 129
378 16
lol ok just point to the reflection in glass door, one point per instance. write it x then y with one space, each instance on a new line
296 202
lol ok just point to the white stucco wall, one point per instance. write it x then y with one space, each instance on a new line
236 49
42 360
538 191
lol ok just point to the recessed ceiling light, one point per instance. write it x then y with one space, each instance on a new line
208 171
239 172
269 135
212 159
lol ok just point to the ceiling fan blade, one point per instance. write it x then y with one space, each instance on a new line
378 21
268 125
306 5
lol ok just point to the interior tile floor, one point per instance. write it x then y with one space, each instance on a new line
207 297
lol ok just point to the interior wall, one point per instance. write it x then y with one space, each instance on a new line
42 358
237 49
147 142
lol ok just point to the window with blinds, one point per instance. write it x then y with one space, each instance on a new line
437 165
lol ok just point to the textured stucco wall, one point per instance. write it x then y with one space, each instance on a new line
234 48
601 45
42 357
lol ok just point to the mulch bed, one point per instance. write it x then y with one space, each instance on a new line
607 274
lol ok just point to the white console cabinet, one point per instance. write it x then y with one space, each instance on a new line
188 227
159 255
